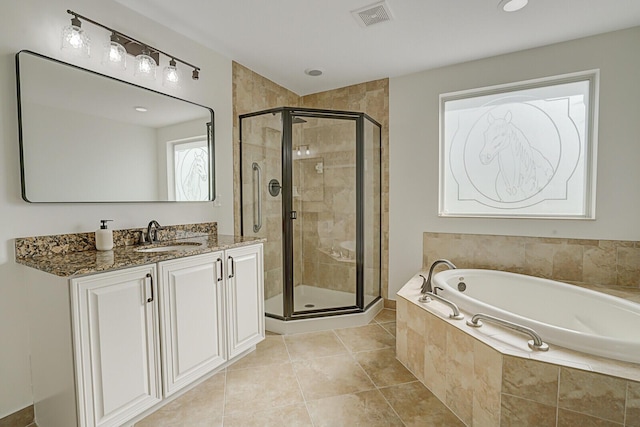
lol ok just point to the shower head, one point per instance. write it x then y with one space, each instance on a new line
297 120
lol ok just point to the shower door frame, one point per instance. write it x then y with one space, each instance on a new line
287 207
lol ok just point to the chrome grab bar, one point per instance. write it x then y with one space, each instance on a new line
428 296
535 343
257 212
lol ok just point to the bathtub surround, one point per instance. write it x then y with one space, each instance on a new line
496 380
611 266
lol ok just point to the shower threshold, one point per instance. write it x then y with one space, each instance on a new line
320 298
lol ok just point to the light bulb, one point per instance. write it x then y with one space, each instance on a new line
75 40
171 75
299 152
145 66
307 152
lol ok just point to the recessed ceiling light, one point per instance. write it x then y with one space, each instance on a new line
512 5
313 72
140 109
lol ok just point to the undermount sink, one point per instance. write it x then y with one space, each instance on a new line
174 246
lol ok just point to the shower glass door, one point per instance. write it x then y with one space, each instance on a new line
261 163
310 185
323 191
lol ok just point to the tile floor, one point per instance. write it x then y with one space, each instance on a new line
342 377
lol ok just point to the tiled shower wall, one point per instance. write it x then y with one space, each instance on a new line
252 92
326 183
610 263
371 98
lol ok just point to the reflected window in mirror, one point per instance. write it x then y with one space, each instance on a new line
189 170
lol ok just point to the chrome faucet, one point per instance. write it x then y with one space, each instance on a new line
152 231
426 283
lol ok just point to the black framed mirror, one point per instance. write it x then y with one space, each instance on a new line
90 138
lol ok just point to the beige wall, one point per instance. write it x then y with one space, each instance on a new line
414 115
252 92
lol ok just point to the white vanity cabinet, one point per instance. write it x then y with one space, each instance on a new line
109 347
245 298
211 310
117 348
193 318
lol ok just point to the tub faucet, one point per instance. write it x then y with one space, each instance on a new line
426 283
152 231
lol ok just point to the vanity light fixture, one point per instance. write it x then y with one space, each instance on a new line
147 58
75 39
512 5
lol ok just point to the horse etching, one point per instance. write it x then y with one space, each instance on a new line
197 173
524 171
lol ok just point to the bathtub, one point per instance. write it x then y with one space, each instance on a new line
562 314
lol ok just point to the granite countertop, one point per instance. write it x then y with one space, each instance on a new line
87 260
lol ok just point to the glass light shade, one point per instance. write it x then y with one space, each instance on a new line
145 67
115 55
171 76
76 41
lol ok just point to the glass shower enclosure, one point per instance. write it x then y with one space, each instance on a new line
311 185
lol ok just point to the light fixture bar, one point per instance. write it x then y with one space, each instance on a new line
135 47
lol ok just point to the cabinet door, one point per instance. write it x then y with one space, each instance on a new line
117 352
245 298
192 322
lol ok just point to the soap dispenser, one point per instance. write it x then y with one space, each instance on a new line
104 236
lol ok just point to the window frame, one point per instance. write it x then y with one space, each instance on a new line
586 159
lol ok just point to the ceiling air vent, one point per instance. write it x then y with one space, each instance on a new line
373 14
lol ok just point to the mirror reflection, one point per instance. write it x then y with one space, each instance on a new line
86 137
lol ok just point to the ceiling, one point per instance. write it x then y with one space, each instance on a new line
279 39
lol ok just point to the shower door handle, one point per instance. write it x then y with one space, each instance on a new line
257 211
293 215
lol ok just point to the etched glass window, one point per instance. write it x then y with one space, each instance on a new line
191 171
520 150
